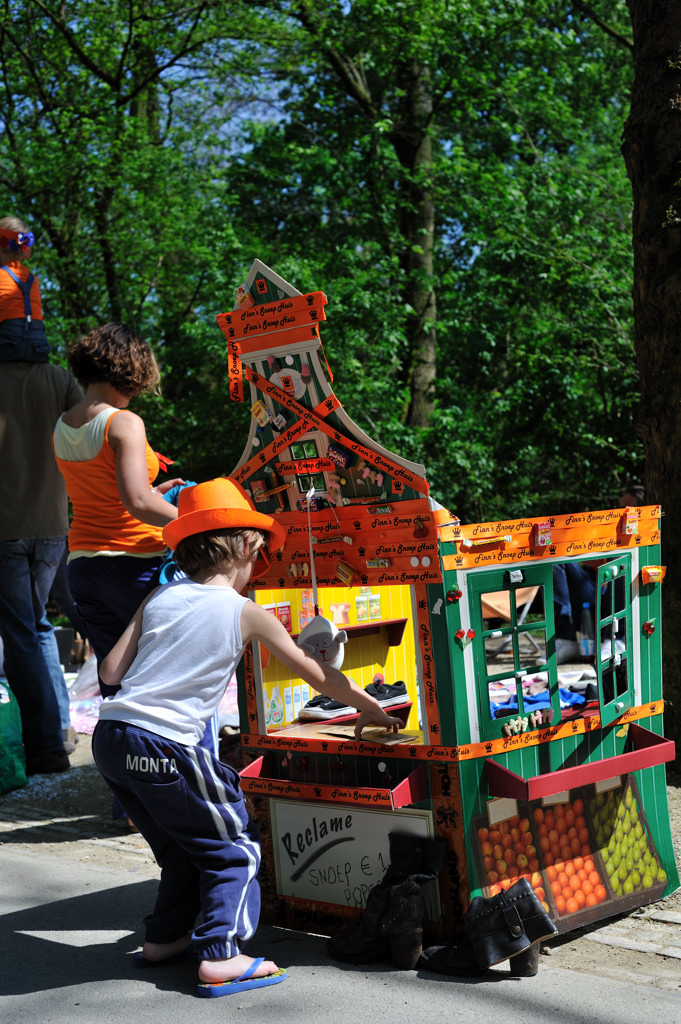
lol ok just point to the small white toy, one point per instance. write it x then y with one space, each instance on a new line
324 641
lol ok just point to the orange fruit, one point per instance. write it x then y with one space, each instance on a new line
579 863
587 887
563 877
569 869
538 815
556 888
582 874
589 865
600 893
548 860
560 904
571 905
578 806
594 878
580 897
580 823
583 836
551 873
561 827
575 883
569 816
567 892
549 819
586 851
575 846
591 900
555 850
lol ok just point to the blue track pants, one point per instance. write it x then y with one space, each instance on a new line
190 809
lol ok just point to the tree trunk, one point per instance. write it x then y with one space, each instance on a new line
652 152
413 145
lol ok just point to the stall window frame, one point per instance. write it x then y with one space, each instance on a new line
494 581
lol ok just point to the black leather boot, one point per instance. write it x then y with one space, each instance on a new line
508 926
462 962
393 919
508 923
392 922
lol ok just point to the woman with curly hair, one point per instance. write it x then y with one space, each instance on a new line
115 541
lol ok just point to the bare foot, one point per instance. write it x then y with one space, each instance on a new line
229 970
157 952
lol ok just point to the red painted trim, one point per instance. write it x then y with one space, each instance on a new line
649 750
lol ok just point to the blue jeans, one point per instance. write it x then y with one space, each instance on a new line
108 590
573 586
31 655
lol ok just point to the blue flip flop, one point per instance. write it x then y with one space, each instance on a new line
213 989
185 956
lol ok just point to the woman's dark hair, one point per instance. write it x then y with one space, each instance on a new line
114 354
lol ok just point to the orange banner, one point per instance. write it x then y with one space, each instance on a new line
376 459
466 752
273 317
573 535
291 338
235 371
425 641
269 452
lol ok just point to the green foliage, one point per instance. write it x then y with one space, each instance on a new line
157 149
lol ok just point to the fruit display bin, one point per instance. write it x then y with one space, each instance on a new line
643 879
572 854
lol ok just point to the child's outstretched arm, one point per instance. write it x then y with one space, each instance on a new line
257 624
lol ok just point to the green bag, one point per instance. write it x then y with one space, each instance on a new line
12 760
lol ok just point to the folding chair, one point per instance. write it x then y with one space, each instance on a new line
498 606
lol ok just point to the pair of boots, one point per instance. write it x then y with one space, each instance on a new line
393 920
508 926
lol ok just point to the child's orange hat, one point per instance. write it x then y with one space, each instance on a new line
220 504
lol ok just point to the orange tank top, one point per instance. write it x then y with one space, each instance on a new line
12 298
100 521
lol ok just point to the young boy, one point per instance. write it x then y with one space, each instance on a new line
22 332
172 665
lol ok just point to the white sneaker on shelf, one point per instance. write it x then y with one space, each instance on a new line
567 650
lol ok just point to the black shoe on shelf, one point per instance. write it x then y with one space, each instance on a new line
321 708
387 694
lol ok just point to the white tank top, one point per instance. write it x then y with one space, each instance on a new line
189 648
80 444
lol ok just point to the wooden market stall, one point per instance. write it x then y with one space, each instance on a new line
522 767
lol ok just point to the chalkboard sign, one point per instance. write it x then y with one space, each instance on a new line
336 854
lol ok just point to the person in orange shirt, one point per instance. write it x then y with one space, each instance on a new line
22 331
115 542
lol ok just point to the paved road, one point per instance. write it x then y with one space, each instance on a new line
65 940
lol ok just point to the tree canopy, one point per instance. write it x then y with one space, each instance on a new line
447 172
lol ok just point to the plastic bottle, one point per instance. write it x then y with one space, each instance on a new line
587 643
276 708
288 705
